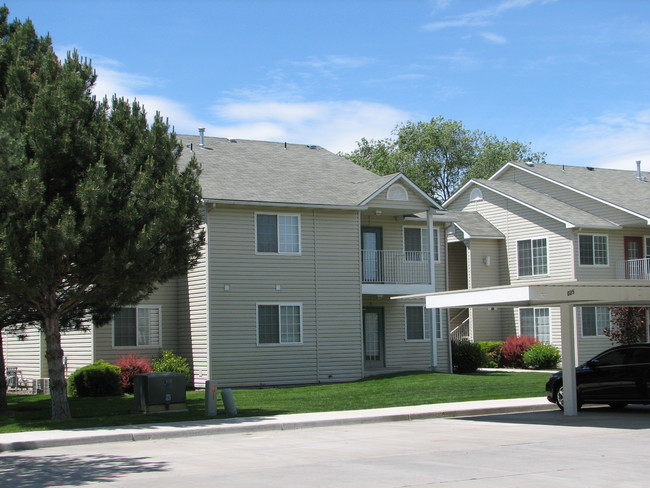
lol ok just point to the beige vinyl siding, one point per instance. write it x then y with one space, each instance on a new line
165 297
588 346
616 254
324 279
193 317
403 355
27 355
78 349
570 197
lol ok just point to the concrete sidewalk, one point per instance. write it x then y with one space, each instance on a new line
54 438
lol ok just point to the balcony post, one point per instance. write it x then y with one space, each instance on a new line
432 279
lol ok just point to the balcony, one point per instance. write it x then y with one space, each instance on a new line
396 267
635 269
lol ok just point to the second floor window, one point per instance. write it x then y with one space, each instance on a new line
416 243
532 257
593 250
278 233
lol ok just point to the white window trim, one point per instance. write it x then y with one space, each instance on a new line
141 346
596 335
548 258
397 192
436 325
279 343
593 265
424 231
535 309
281 253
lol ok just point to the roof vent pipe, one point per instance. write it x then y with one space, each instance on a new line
638 171
202 136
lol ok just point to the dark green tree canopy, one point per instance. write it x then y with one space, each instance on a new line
94 211
440 155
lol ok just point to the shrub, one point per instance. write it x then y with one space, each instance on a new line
131 365
168 362
514 348
467 356
542 356
95 380
492 354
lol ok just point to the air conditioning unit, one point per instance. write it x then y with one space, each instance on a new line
41 386
159 392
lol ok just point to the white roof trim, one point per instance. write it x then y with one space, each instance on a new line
397 177
583 193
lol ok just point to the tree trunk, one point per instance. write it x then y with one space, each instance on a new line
54 356
3 380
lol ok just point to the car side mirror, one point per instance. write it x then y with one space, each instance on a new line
593 363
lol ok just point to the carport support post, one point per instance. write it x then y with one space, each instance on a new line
568 359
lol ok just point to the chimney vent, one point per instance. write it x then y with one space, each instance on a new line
202 136
639 177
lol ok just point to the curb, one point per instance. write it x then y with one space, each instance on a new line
56 438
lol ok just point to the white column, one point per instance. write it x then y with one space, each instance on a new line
569 360
432 276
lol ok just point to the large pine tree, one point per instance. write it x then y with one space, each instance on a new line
94 212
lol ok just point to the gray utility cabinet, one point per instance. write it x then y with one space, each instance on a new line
159 392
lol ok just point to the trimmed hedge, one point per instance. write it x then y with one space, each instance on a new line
492 354
542 356
168 362
95 380
467 356
514 349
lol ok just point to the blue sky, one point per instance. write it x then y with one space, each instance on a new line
571 77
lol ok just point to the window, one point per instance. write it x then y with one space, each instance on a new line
416 244
397 192
278 233
279 323
535 322
532 257
136 326
475 195
418 323
594 321
593 250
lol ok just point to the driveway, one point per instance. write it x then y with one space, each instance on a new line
598 448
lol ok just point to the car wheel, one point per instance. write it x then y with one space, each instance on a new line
559 398
617 405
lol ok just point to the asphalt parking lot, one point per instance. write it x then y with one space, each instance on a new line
598 448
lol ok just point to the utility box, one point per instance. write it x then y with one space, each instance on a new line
159 392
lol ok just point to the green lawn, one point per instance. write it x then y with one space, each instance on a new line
33 412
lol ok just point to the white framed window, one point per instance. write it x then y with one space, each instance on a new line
532 257
279 323
416 244
475 195
418 322
535 322
594 321
277 233
137 326
593 250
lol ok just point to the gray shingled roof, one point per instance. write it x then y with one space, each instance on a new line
617 187
270 172
548 205
475 225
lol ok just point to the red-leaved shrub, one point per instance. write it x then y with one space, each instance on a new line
130 366
514 348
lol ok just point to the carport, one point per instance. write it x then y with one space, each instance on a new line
566 295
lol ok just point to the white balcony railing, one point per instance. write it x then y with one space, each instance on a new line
637 269
410 267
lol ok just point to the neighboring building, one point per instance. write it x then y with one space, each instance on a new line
303 251
531 223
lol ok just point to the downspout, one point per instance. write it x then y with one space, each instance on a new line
432 275
208 290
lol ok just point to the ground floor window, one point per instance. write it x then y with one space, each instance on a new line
137 326
535 322
594 321
279 323
418 322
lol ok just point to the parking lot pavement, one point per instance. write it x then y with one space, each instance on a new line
598 448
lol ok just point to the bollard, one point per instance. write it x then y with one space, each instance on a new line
210 398
228 401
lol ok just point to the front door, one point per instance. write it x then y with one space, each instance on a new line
373 337
634 268
371 246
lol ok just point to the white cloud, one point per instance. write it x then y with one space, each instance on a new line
610 141
495 38
336 126
480 17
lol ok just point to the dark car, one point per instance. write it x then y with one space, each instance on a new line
616 377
